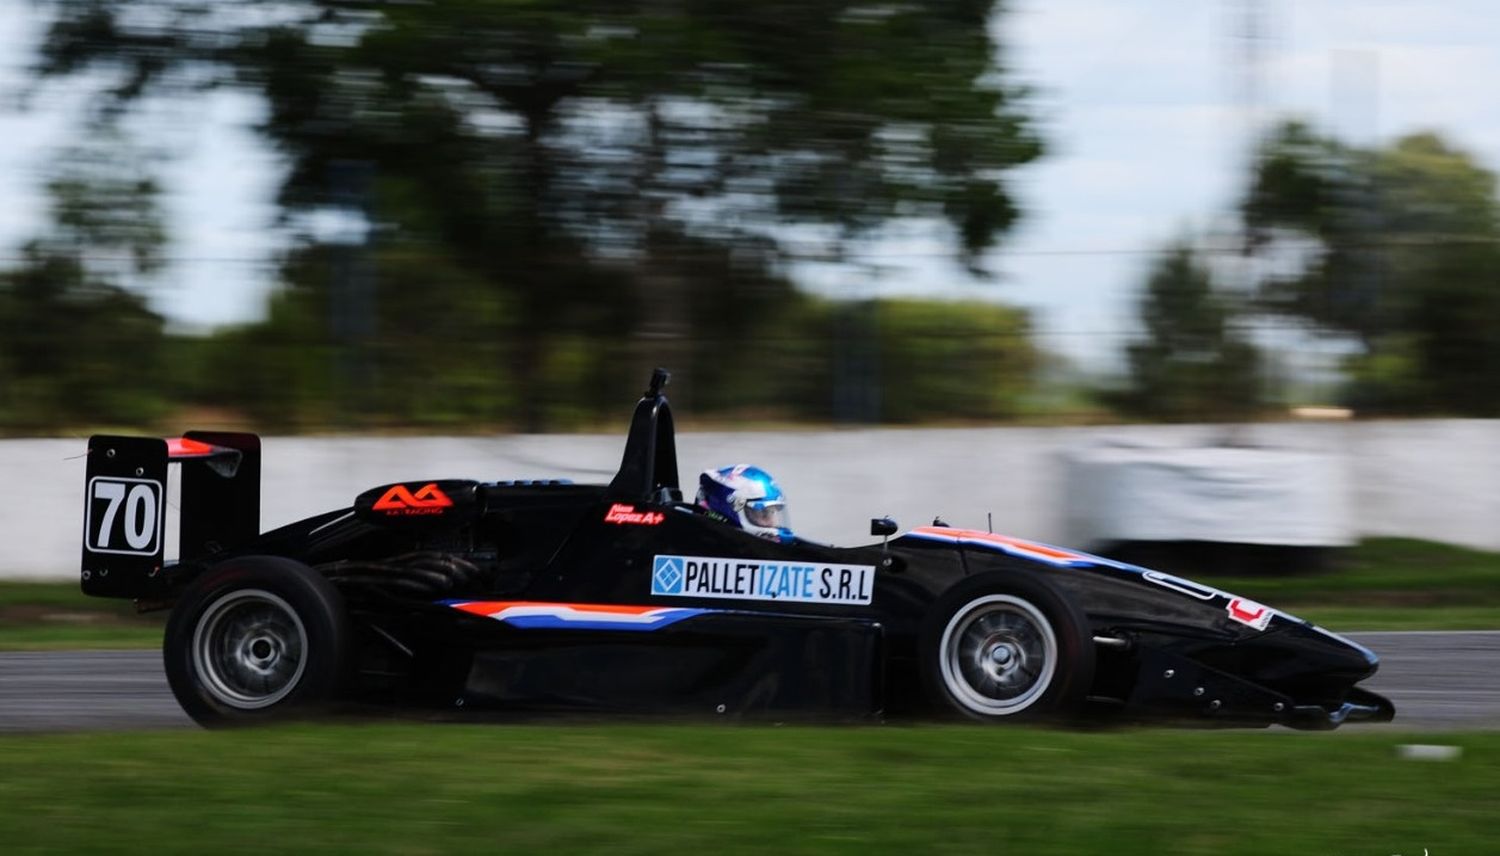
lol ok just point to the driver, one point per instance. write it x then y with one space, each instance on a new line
746 497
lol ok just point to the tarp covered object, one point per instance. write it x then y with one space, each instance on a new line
1224 494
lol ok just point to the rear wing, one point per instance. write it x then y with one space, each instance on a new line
125 505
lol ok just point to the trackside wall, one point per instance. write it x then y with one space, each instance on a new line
1437 479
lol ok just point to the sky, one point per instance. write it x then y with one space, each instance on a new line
1146 107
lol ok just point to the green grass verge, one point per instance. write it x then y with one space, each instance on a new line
694 788
1388 584
62 597
1383 572
87 637
1381 584
1350 619
53 616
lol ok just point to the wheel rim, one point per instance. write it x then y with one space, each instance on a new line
250 649
999 654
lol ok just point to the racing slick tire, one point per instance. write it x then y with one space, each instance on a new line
1006 647
257 639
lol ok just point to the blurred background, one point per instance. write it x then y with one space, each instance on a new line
478 216
963 258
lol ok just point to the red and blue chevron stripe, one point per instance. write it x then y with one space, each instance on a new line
538 615
1033 550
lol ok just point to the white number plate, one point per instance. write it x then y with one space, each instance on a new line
124 516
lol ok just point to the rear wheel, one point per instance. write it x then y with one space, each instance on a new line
1007 647
256 639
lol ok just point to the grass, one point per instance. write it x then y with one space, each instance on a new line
1384 571
83 637
38 616
421 788
1350 619
1381 584
1388 584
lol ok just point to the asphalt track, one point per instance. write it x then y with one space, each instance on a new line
1438 680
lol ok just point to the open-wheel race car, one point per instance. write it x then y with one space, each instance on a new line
547 596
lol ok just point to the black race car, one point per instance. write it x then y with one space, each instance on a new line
551 596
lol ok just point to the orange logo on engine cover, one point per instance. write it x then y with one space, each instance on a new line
400 500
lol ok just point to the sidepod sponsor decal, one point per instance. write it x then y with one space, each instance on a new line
533 615
1249 613
757 579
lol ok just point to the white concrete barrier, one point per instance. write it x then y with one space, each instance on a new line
1437 479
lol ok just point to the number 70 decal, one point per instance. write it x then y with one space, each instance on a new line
124 516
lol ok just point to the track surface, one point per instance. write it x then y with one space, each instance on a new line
1437 680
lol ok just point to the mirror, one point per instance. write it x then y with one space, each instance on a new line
882 526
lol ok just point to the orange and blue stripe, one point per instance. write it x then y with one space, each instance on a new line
541 615
1014 546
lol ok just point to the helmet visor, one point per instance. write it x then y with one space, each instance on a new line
770 515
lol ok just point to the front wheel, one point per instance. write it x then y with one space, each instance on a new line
1006 647
256 639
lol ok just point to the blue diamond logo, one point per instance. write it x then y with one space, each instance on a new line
666 575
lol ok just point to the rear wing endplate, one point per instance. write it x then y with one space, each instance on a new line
126 500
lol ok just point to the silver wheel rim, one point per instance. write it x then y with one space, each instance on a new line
999 654
250 649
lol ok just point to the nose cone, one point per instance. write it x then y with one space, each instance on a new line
1355 652
1312 652
1365 653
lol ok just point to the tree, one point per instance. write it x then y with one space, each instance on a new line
1192 365
538 142
1401 253
80 348
963 360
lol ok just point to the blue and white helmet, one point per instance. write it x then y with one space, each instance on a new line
747 497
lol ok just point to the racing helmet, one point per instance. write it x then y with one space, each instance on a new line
747 497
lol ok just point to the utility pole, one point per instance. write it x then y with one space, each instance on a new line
1252 36
351 305
1248 61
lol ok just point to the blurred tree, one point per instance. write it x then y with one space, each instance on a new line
1192 365
959 360
81 348
561 152
1395 247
